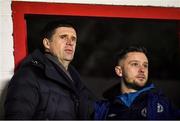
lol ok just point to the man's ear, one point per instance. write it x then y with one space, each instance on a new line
46 43
118 70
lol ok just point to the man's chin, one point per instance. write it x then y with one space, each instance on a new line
70 58
140 84
136 86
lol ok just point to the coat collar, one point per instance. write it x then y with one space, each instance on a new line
54 72
114 91
128 98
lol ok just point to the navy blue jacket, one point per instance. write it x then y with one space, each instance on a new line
150 105
41 90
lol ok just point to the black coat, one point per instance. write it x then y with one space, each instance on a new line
41 90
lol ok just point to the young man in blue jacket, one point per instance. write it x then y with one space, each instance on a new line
135 97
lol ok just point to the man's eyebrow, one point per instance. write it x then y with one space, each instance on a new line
146 62
64 34
133 61
137 61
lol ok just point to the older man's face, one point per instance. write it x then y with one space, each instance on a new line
63 43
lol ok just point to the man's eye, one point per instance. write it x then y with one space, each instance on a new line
145 66
74 39
63 36
134 64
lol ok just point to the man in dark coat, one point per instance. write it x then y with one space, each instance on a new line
46 86
134 98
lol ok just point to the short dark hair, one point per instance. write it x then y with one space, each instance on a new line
121 54
50 28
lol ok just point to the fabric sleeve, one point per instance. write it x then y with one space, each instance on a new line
22 96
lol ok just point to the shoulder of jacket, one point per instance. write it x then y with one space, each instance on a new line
101 108
102 102
157 92
158 96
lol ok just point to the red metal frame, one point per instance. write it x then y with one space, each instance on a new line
19 9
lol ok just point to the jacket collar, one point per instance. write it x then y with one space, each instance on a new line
52 71
128 98
114 91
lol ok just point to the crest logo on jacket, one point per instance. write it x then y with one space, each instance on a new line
159 109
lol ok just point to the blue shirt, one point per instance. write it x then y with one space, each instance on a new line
128 98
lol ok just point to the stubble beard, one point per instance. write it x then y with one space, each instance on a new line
134 85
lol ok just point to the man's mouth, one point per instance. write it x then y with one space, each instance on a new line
70 51
140 77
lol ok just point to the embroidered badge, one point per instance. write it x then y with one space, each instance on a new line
144 112
160 108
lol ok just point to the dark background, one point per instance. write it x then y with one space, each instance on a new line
100 38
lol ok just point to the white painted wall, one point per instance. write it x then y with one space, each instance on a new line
6 39
6 48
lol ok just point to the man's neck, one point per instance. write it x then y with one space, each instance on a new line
57 62
55 59
64 63
125 89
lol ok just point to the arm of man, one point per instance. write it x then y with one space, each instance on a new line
22 96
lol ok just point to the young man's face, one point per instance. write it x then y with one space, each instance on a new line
62 44
134 69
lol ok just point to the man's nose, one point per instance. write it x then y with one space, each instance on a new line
69 41
142 69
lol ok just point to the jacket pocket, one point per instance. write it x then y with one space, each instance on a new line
51 106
